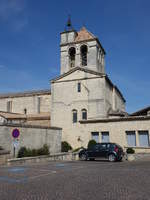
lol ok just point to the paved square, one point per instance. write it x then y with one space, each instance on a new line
76 180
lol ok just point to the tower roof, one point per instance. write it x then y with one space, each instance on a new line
69 26
84 34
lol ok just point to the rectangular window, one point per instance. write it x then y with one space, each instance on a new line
39 104
74 116
143 138
131 138
9 106
95 136
105 136
79 87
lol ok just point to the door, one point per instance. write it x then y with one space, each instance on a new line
103 150
93 152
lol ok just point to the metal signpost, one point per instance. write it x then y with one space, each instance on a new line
15 135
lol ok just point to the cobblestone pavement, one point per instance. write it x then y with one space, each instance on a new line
87 180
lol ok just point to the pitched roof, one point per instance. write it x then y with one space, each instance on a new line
75 69
84 34
141 111
18 116
25 94
118 119
8 115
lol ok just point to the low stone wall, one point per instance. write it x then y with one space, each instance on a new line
139 150
37 159
138 156
33 137
4 156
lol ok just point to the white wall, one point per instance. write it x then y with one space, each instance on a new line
31 137
28 102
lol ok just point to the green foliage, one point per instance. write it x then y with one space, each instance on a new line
130 150
65 146
27 152
91 143
43 151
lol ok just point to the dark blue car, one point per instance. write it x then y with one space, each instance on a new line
112 151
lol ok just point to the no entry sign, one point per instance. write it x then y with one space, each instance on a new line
15 133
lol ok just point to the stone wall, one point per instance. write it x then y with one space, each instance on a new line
31 137
117 132
30 103
4 155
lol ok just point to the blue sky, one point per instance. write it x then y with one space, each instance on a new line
29 42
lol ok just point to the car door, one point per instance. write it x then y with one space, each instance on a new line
94 151
103 150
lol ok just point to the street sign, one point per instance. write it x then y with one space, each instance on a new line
16 144
15 133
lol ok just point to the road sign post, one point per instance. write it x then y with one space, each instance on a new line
15 135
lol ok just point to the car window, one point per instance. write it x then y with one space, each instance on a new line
93 147
96 147
103 146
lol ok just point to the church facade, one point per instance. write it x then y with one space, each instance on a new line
83 101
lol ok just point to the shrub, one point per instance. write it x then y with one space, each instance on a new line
34 152
43 151
130 150
91 143
27 152
65 146
22 152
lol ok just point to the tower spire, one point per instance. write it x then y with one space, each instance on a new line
68 26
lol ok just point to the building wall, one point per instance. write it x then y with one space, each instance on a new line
96 97
65 98
117 132
108 97
28 102
119 103
31 137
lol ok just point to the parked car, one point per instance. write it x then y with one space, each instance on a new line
112 151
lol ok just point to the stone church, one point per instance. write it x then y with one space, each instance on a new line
82 101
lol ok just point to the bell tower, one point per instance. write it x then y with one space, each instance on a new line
68 55
80 49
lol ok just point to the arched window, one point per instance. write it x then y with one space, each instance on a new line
74 116
72 54
83 50
84 114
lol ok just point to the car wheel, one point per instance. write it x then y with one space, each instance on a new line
112 158
83 157
120 159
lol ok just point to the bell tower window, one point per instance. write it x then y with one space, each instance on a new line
72 54
84 114
83 55
74 116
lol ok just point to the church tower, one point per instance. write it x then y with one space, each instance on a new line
81 49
